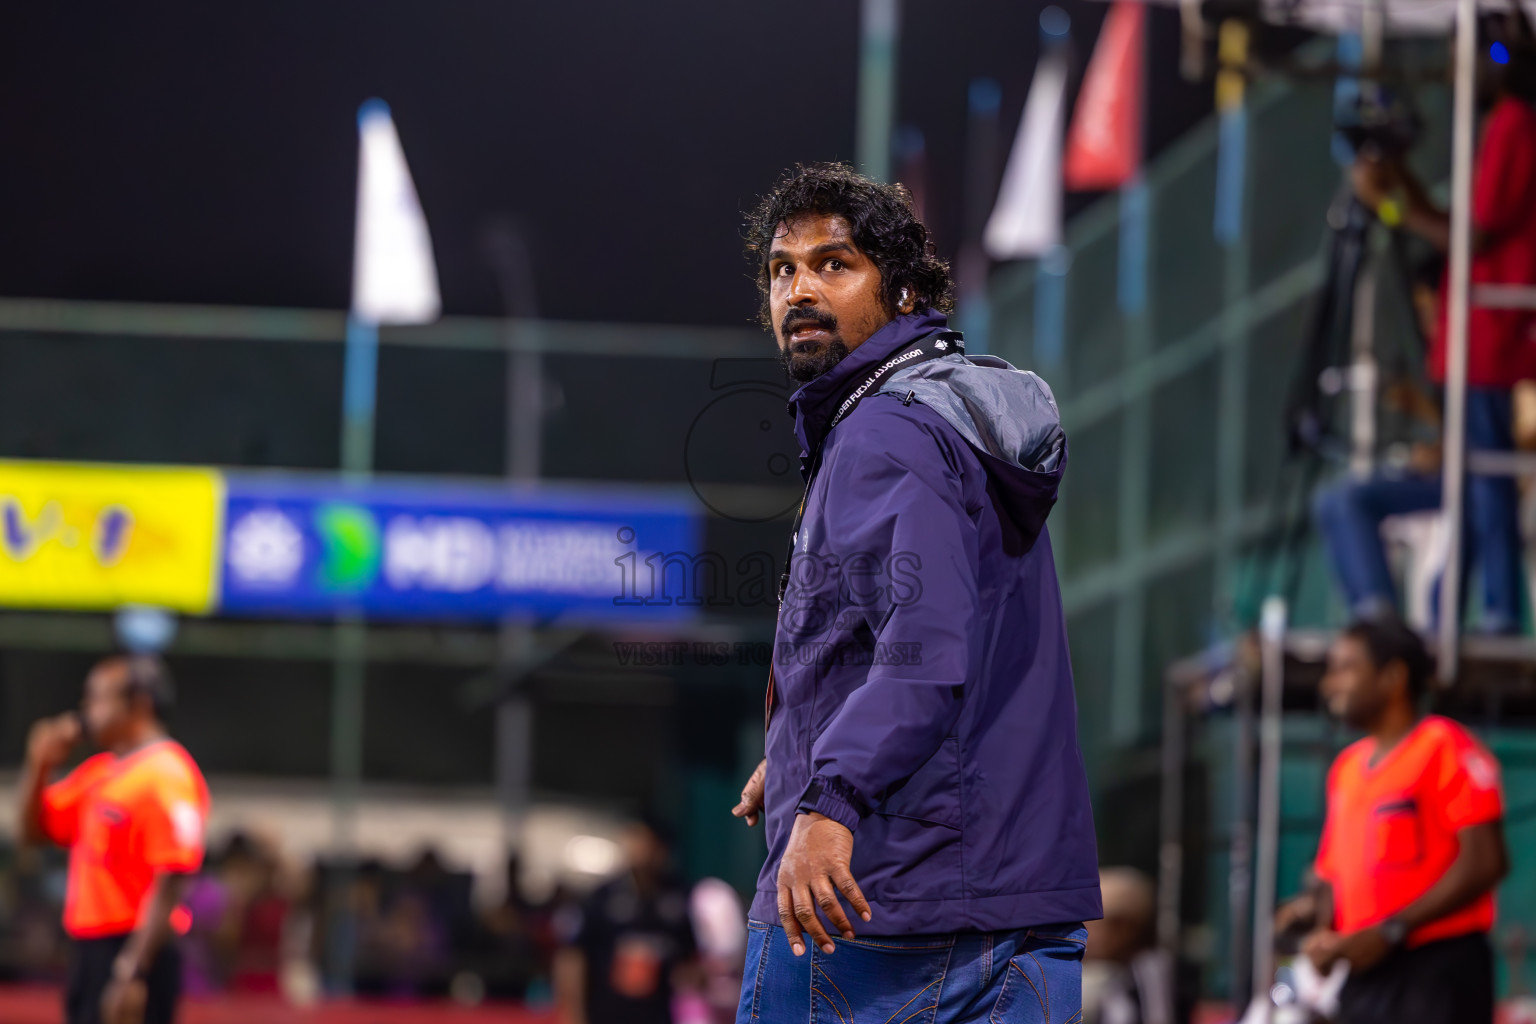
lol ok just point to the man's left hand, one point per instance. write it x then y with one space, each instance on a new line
815 869
1364 949
123 1002
1321 947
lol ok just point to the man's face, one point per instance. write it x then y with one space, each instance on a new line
1354 689
644 851
105 707
824 294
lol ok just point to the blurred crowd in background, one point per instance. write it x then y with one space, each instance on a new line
264 924
267 925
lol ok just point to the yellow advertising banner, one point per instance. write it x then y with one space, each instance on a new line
88 536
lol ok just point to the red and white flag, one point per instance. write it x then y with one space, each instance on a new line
1104 142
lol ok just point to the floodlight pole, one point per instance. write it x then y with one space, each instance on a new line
512 259
1453 480
879 30
514 711
1267 841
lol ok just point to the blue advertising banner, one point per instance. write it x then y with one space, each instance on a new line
401 550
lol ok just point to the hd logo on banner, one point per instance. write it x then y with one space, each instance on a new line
94 537
397 550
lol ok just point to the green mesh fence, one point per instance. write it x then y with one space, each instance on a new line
1178 475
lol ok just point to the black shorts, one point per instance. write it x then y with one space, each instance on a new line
90 971
1445 982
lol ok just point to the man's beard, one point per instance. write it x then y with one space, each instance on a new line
807 366
1360 713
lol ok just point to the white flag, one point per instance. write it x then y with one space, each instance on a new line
394 278
1027 219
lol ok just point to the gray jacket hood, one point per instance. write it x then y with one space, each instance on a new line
1008 416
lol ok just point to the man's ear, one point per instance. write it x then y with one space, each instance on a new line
1396 673
140 702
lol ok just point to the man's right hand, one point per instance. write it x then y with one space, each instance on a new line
49 742
1300 912
751 806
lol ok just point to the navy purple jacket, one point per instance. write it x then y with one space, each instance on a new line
923 693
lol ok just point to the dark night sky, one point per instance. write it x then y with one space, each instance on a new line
207 152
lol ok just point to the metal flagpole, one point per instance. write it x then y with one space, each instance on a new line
394 280
360 384
1454 469
879 29
981 172
349 651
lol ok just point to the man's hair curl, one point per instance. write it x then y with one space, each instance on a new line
885 228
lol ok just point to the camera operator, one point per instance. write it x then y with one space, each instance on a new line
1501 351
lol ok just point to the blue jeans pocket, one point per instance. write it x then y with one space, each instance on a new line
889 981
871 981
1044 982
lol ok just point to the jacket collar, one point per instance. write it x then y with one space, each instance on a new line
815 403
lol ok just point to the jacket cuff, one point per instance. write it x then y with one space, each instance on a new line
833 798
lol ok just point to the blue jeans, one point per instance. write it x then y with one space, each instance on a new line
1030 976
1349 515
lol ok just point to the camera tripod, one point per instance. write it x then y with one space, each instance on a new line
1311 413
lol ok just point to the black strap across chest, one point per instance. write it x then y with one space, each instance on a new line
933 346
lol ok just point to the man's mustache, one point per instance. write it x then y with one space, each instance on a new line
803 317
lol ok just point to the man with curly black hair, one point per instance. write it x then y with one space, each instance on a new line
923 772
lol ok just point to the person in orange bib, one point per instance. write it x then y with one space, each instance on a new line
1413 846
133 819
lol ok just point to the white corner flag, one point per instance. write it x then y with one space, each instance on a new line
394 278
1027 218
